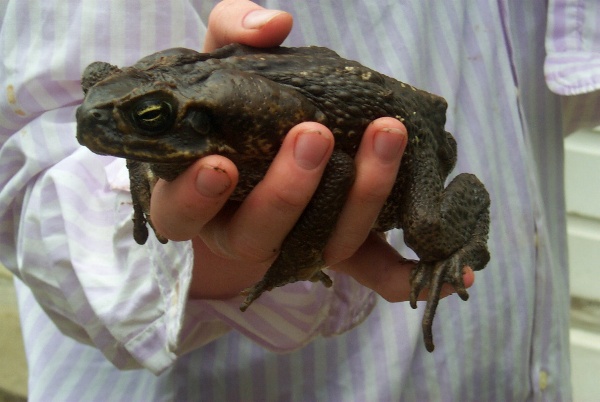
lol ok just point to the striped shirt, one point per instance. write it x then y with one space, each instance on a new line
106 319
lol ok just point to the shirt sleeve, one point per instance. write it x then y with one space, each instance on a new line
572 65
130 301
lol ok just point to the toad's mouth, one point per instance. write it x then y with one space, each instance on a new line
155 151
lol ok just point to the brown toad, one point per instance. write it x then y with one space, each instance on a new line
176 106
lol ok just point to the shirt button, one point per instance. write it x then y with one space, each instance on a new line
543 381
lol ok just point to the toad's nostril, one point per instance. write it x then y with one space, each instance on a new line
99 114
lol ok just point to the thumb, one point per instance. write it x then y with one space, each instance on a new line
242 21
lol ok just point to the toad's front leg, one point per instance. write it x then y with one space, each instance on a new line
141 183
460 235
301 255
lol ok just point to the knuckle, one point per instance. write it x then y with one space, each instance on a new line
387 297
374 194
342 249
389 284
389 289
391 297
247 248
289 200
372 189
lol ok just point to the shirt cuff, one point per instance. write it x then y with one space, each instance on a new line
282 320
572 65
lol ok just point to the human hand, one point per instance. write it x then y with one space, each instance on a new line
234 245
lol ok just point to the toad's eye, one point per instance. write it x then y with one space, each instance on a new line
153 115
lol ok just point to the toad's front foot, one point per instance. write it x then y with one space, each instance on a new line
433 276
267 284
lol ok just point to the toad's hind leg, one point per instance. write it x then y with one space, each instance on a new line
301 255
461 236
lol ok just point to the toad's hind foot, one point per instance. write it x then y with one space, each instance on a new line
433 276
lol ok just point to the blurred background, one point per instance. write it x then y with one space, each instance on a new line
582 158
582 186
13 368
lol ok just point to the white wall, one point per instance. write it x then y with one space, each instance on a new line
582 183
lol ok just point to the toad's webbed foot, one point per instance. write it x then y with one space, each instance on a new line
456 239
433 276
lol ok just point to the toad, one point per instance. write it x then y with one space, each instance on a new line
176 106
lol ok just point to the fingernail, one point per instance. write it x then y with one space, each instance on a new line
212 181
389 143
310 149
258 18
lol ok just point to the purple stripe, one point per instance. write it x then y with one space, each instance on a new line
267 331
321 34
72 70
560 25
134 32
